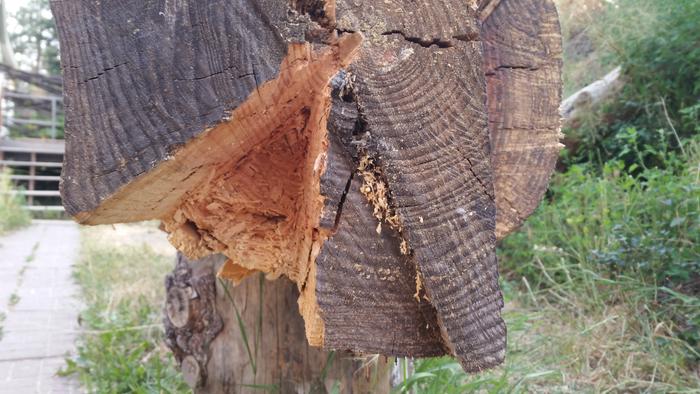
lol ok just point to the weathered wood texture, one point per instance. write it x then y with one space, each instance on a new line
142 78
380 290
381 198
524 118
522 55
265 350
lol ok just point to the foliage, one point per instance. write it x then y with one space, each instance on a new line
12 216
619 225
122 351
35 38
645 224
602 288
658 46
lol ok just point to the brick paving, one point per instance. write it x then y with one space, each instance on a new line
38 300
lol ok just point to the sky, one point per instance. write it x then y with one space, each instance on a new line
13 5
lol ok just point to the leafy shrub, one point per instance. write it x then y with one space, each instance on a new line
12 216
641 232
658 46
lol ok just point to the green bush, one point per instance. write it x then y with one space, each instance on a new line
12 216
658 46
641 232
646 224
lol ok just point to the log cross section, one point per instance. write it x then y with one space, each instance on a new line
371 152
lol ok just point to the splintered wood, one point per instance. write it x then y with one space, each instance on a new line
371 152
261 207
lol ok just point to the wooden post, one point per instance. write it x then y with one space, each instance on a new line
237 338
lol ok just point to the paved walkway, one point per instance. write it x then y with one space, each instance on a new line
37 300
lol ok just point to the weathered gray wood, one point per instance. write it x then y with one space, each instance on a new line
522 56
424 102
215 358
155 74
524 128
379 282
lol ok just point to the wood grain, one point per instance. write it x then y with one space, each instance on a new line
522 53
279 359
126 111
382 202
365 285
424 100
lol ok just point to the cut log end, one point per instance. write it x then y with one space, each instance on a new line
375 169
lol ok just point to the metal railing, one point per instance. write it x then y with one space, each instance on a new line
35 165
34 102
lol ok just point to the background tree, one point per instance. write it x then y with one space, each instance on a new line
5 46
34 38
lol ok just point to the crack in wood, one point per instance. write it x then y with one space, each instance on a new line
530 67
100 73
435 41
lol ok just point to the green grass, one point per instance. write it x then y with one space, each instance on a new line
121 350
601 288
12 216
14 300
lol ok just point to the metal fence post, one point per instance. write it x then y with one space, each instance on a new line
53 118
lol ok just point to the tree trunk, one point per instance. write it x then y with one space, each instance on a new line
250 337
6 52
371 152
